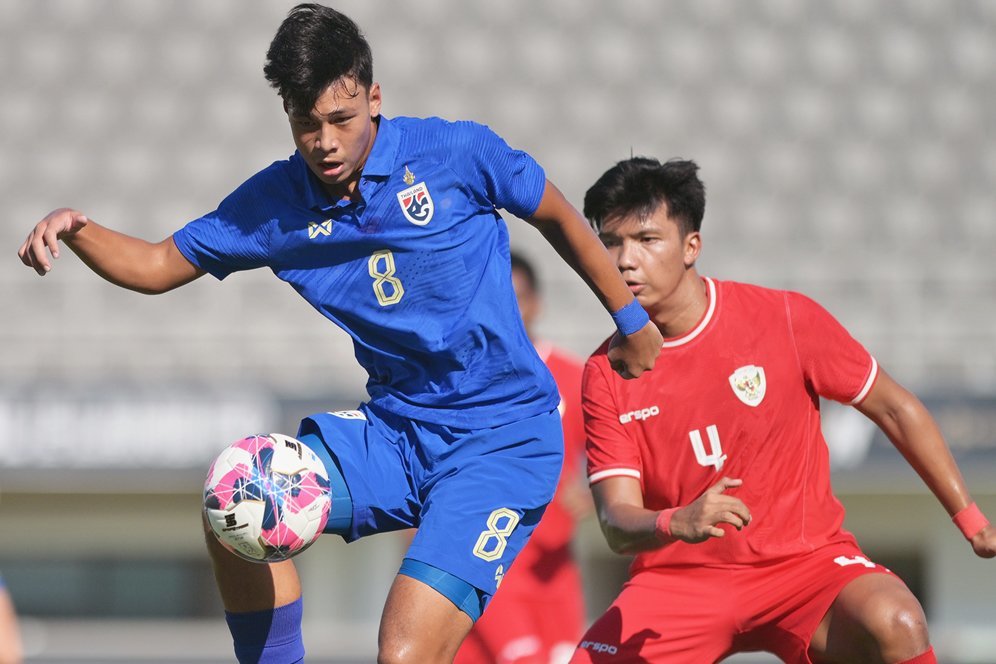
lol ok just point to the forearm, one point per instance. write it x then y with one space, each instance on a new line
131 262
571 236
629 529
915 434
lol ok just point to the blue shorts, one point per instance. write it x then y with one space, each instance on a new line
475 495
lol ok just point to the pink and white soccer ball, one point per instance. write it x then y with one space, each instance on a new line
267 497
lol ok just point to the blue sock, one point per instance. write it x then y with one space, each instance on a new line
268 637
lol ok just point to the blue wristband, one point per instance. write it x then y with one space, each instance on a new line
631 318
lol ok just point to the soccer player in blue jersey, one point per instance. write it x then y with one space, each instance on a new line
390 229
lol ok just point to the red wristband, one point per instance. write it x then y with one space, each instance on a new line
970 521
662 526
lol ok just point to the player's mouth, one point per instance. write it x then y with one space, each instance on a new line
331 169
635 288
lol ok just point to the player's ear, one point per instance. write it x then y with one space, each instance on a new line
693 246
373 97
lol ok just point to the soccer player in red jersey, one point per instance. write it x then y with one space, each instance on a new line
713 470
538 615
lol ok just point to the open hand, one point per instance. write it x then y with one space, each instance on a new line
700 519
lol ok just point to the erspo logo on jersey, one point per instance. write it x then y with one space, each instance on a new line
641 414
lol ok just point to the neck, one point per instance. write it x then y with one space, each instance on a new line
684 308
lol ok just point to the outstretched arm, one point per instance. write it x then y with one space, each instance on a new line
629 527
121 259
566 230
913 431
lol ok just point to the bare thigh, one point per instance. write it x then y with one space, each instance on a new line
875 619
419 625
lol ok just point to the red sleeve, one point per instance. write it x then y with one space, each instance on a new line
833 363
610 450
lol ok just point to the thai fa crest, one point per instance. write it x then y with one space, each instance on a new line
748 384
416 203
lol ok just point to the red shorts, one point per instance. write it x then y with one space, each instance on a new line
704 614
525 630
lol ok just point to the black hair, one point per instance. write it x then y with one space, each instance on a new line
315 47
521 263
640 185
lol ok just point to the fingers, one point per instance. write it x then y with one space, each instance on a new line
44 238
32 254
723 484
620 368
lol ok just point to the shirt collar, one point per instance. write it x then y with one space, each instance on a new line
380 163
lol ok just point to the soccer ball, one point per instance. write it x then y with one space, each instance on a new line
267 497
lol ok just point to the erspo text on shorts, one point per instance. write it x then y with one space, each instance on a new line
595 646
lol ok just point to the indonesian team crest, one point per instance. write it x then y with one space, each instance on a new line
416 203
748 384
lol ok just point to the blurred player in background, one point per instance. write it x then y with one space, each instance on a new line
390 228
10 635
539 615
713 470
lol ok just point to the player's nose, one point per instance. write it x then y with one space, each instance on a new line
625 256
328 139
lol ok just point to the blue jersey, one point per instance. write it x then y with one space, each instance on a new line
415 269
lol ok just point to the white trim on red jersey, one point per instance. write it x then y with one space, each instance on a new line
613 472
872 375
679 341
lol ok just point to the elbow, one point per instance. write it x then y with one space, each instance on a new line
145 288
617 540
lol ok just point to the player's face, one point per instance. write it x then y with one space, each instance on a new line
335 138
528 299
655 259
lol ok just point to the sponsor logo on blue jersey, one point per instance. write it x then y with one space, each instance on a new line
319 228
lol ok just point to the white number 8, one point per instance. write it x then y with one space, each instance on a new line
385 276
494 532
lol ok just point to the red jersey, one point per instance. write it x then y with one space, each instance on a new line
737 396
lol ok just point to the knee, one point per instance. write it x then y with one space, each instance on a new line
403 650
396 651
900 628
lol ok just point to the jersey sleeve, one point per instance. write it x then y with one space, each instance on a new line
833 363
611 452
507 179
234 237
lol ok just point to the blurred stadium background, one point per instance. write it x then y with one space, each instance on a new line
849 150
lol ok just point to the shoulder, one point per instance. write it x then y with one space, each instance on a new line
441 133
754 299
